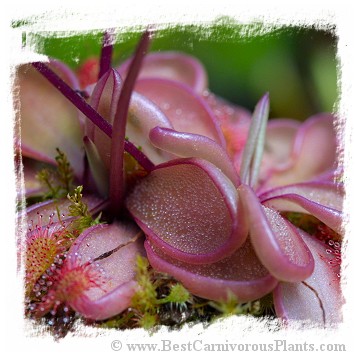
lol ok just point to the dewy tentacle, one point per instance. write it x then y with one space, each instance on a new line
79 102
255 143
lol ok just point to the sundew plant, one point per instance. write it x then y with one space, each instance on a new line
163 186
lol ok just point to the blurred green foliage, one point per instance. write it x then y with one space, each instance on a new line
297 65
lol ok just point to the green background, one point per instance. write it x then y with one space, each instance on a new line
296 65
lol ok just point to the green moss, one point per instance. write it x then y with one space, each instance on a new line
64 171
161 300
231 306
59 181
178 295
80 210
146 297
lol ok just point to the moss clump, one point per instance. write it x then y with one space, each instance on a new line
161 300
59 181
80 210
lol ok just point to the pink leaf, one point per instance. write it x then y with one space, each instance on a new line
174 66
240 273
115 292
47 119
52 207
323 200
314 152
53 213
276 242
280 136
143 116
194 145
185 109
331 175
190 209
32 185
235 123
104 100
318 299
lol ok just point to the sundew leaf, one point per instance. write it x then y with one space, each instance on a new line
118 286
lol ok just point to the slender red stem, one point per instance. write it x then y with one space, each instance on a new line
74 97
119 126
79 102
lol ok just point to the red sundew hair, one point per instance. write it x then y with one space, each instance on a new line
43 244
333 254
72 282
